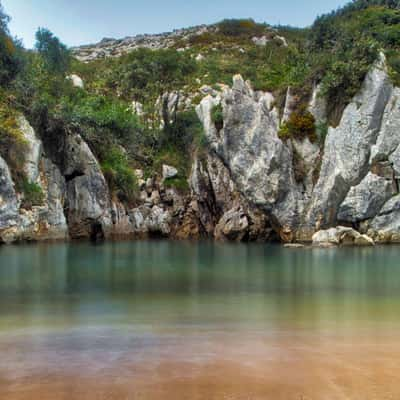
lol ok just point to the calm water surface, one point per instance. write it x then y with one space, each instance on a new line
166 320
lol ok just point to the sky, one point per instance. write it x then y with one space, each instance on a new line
78 22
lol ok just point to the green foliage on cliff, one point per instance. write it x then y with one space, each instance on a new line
56 56
10 134
336 52
32 193
10 58
120 177
217 116
241 27
301 124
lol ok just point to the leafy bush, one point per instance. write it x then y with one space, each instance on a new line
56 55
10 62
301 124
120 177
241 27
12 141
146 74
217 116
183 131
33 194
180 183
322 131
105 116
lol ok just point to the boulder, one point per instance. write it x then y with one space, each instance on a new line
341 236
169 172
385 226
88 199
233 226
158 221
366 199
76 81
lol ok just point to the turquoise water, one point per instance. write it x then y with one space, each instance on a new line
97 309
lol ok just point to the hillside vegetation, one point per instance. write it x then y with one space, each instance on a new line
335 52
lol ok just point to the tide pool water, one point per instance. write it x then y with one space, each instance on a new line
172 320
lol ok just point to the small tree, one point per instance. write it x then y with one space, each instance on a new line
9 61
56 56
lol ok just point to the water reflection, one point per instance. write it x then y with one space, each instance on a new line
200 281
74 318
196 268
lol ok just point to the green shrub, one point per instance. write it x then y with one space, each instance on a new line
33 194
301 124
178 182
56 55
322 131
107 116
12 141
217 116
10 62
120 177
183 131
241 27
284 132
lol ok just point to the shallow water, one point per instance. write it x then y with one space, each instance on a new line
168 320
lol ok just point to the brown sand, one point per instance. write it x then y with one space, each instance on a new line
333 368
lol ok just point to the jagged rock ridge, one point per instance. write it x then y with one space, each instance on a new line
242 187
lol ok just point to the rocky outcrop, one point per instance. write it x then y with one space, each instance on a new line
318 106
347 147
116 47
33 150
223 212
341 236
260 164
88 199
109 47
365 200
76 81
9 203
233 226
246 184
357 169
169 172
385 226
40 222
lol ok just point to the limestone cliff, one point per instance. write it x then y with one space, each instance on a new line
243 185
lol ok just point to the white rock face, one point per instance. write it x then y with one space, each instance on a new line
169 172
76 81
387 146
137 108
260 41
318 106
9 203
260 164
54 185
385 227
33 152
347 148
41 222
365 200
233 226
290 103
88 198
171 103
